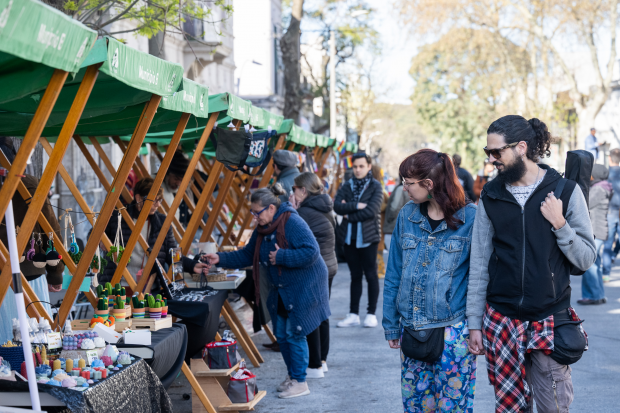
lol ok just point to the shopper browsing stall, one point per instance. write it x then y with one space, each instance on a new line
150 231
316 208
299 299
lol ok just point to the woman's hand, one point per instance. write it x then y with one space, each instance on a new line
212 259
551 209
272 255
201 267
394 343
361 205
293 201
475 342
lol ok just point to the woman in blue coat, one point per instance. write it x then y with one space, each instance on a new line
299 299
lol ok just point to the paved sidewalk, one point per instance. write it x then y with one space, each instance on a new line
364 372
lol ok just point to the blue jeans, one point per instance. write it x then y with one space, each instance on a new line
613 222
294 349
592 280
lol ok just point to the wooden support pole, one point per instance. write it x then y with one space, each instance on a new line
219 202
237 329
49 174
321 164
243 331
146 206
108 205
178 198
196 387
90 214
41 115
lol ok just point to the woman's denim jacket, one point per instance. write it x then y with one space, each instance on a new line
427 274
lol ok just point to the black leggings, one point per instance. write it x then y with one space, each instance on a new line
363 261
318 341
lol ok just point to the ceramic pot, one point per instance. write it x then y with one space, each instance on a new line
138 312
155 313
164 312
119 314
103 314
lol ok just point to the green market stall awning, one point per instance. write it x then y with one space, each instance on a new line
302 137
36 39
351 147
127 79
322 141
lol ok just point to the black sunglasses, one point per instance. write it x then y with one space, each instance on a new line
496 153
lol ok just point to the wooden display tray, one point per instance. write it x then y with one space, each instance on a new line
151 323
83 325
214 383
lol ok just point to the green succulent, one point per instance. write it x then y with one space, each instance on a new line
157 304
151 301
119 304
102 304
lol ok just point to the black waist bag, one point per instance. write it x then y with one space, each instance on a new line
423 345
569 340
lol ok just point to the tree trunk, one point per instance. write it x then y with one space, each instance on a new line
290 58
156 46
586 115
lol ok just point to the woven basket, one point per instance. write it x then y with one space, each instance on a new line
14 355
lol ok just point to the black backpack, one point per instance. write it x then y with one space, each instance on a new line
578 168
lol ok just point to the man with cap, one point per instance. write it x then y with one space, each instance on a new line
285 170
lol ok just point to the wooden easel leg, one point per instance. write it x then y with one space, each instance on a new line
179 197
196 387
269 333
243 332
108 205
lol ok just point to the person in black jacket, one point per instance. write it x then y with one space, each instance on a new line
150 232
316 208
359 201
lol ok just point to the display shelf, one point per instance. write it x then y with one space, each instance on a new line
151 323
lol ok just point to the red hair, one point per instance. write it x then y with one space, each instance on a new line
438 167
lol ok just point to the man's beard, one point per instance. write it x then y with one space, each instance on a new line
511 174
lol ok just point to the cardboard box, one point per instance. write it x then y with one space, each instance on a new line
107 333
137 337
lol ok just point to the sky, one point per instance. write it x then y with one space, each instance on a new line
392 80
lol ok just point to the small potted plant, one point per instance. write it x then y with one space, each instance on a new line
150 302
138 310
128 307
119 309
164 305
103 310
155 311
116 253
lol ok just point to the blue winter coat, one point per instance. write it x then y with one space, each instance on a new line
302 283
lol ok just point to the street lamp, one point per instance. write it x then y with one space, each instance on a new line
254 62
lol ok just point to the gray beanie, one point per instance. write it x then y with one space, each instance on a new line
285 158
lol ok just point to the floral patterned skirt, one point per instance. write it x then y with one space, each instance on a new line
446 385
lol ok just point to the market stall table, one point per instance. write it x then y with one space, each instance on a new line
134 389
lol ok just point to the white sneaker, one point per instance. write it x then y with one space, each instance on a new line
350 321
314 373
325 367
296 389
370 321
284 385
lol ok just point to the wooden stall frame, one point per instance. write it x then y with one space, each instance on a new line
109 204
49 174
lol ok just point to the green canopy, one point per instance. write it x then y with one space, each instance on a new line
302 137
36 39
238 108
322 141
287 125
263 119
127 79
351 147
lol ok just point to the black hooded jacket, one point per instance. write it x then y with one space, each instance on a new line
317 212
156 222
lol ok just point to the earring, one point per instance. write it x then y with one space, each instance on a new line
430 196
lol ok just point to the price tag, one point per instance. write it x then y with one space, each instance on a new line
54 340
91 355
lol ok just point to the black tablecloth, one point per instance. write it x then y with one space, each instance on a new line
134 389
200 318
166 345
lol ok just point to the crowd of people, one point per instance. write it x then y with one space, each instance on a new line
477 266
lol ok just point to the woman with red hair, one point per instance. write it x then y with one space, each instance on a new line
425 291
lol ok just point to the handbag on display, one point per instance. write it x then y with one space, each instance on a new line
240 149
424 345
242 385
220 355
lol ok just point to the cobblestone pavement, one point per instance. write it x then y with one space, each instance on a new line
364 372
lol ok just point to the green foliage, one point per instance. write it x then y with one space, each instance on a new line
75 257
147 18
137 303
118 250
462 85
157 305
108 287
123 291
100 290
165 302
158 297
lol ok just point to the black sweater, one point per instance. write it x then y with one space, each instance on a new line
316 211
369 217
